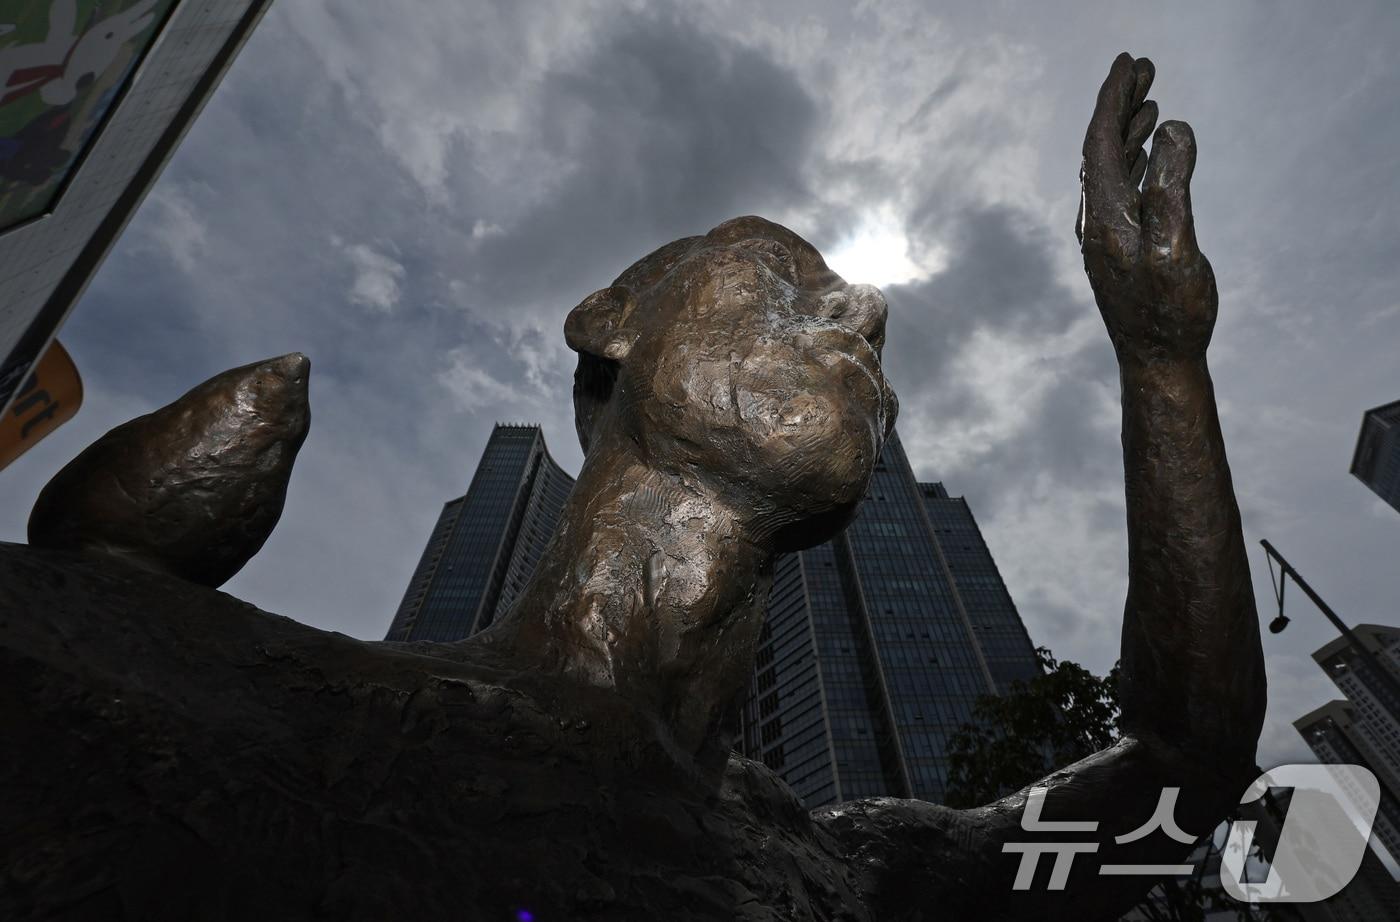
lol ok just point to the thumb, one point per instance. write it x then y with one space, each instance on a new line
1166 193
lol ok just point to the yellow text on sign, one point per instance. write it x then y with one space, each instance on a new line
48 399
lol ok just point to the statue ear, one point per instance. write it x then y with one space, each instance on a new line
598 326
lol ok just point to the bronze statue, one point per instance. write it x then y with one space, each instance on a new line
189 757
192 489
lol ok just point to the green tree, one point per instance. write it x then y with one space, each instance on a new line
1059 717
1056 718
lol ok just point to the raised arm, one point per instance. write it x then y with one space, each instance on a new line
1193 676
1192 688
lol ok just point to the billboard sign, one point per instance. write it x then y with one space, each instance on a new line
63 66
48 399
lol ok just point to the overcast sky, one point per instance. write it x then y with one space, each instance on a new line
416 193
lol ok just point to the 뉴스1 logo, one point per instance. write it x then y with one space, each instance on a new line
1320 847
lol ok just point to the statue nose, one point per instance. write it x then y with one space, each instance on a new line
861 308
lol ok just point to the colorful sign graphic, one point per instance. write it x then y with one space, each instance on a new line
63 63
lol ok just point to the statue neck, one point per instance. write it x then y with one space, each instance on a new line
652 585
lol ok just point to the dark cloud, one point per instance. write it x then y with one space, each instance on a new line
667 131
999 277
1000 280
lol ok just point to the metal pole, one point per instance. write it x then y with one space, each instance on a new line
1384 675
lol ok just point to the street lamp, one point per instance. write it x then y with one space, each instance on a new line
1383 675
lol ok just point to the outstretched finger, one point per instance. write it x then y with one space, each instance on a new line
1139 130
1103 142
1139 168
1166 193
1107 195
1144 71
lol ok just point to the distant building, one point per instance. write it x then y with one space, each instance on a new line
877 643
1370 895
996 624
94 99
1365 728
486 543
1376 462
1333 734
1375 701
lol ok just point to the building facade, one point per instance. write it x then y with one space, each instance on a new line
1376 461
94 99
1364 729
1375 702
996 625
486 543
1333 734
876 645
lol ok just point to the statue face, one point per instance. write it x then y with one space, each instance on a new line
747 360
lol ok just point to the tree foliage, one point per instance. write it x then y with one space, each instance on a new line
1056 718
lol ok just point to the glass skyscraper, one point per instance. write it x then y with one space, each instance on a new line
996 625
486 543
1376 462
877 644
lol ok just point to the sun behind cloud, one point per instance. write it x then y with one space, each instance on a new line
877 253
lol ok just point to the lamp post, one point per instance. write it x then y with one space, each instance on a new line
1383 675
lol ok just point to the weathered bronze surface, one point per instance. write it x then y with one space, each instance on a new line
731 404
192 489
189 757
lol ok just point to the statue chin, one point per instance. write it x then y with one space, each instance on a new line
800 535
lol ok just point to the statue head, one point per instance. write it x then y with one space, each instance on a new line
740 358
